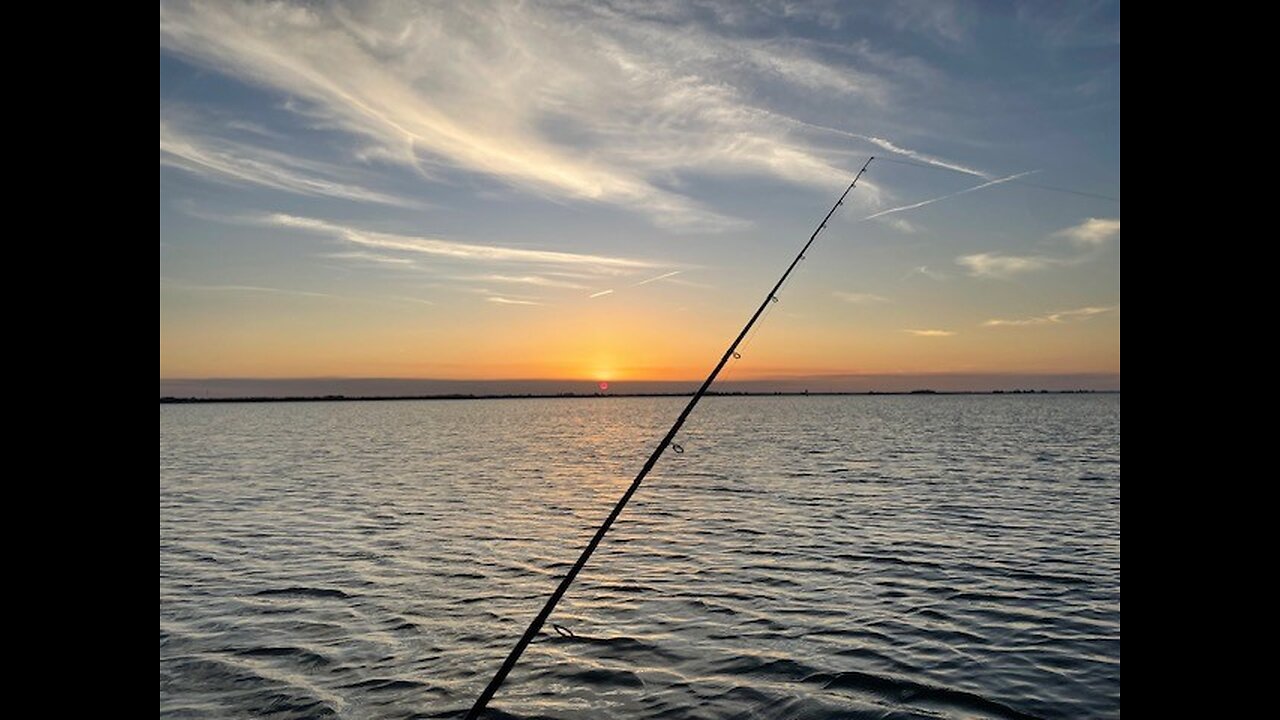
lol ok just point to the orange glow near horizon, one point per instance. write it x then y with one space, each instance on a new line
303 337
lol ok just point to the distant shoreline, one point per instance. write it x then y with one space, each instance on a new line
556 396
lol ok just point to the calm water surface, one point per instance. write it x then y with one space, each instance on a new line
825 557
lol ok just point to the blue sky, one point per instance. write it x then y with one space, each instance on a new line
603 190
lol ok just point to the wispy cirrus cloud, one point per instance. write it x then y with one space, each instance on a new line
1089 236
1000 265
234 162
534 280
1054 318
951 22
577 101
369 257
455 250
260 289
902 225
931 333
242 289
500 300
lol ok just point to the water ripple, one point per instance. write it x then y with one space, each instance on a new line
886 557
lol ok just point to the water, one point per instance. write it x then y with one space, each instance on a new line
824 557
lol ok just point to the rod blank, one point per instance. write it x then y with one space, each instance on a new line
536 626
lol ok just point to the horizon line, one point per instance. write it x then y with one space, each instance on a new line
171 400
832 383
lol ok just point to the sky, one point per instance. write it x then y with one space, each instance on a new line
581 192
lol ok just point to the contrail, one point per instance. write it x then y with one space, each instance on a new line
663 276
656 279
929 159
931 201
895 149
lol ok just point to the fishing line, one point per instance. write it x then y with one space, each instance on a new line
536 626
746 344
1081 193
741 352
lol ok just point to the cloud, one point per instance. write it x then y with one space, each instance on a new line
857 298
948 21
902 226
581 102
998 265
536 280
455 250
930 333
925 271
602 293
237 163
245 289
1093 232
1054 318
509 301
948 196
363 256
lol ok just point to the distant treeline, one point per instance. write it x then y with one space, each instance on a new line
169 400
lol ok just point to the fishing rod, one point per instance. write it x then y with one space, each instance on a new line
536 626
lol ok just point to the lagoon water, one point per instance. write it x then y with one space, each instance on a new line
806 557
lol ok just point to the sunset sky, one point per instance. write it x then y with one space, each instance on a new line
605 190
